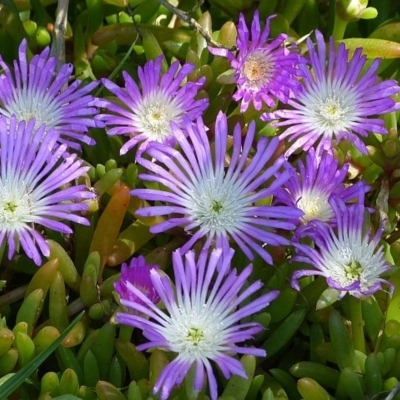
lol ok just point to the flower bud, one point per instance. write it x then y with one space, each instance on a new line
353 10
369 13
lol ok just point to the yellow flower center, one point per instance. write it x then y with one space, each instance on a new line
353 270
257 70
196 336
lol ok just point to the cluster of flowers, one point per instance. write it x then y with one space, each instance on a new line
232 189
39 123
218 191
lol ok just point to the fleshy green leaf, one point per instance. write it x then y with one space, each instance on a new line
374 48
17 379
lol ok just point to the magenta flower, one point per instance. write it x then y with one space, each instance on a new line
202 320
145 115
210 200
338 101
348 256
36 90
264 69
34 171
137 273
311 188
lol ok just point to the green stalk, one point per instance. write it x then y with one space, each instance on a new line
339 28
357 324
292 10
393 121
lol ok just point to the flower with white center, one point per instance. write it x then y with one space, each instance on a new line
211 200
264 69
349 257
137 273
316 181
34 171
145 115
339 100
37 90
202 318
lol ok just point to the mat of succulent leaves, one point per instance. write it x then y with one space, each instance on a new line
216 197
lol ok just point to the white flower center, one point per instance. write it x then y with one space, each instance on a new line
257 70
16 207
30 103
314 204
351 258
154 114
353 271
329 109
194 332
217 204
332 112
348 264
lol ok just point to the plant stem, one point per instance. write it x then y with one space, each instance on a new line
60 27
339 28
13 296
357 323
292 10
192 22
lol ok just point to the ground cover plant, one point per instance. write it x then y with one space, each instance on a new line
199 199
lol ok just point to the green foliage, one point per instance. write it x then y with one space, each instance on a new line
309 337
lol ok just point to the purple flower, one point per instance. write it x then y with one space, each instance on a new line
37 90
211 200
145 115
138 275
202 318
339 100
33 170
348 256
264 69
316 181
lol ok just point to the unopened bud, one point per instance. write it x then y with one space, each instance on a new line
353 10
